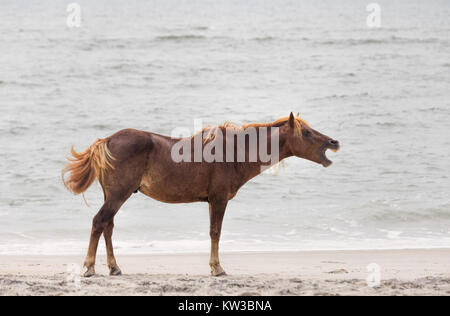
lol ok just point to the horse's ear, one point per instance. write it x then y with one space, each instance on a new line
291 120
298 114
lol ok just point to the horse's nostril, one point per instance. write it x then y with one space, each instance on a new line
334 142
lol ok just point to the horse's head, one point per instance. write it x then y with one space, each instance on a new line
307 143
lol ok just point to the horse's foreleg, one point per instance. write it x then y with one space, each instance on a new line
216 213
112 264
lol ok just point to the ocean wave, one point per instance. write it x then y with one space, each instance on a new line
23 84
440 213
200 28
434 109
342 96
345 41
377 41
198 35
18 130
180 37
263 39
391 124
103 127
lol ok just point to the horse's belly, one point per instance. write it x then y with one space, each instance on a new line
173 192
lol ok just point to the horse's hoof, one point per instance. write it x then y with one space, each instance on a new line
115 271
218 271
89 273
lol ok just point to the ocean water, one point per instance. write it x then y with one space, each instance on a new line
156 65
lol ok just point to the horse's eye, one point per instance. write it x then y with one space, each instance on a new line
307 133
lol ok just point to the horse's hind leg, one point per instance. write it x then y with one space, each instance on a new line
112 264
130 150
99 224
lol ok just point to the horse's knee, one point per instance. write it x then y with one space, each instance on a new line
101 221
215 235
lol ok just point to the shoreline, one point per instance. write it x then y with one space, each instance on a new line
101 250
337 272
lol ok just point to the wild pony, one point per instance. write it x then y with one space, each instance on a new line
131 161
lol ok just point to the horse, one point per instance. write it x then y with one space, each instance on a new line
132 161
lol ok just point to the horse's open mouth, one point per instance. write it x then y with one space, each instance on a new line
325 161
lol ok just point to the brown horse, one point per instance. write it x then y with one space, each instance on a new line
131 161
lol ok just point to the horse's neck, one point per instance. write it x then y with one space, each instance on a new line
251 170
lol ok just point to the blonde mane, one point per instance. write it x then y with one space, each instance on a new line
211 131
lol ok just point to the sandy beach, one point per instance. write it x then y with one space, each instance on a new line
402 272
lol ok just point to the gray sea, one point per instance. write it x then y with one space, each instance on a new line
384 93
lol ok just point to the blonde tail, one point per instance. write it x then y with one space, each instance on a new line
86 167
